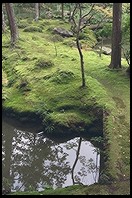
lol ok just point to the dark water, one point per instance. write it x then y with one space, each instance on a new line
31 161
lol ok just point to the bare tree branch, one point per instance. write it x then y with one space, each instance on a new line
88 12
73 19
73 13
87 21
80 17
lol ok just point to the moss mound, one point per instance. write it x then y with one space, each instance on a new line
62 77
42 63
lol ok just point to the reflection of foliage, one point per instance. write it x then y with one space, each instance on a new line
89 166
82 172
72 145
37 162
92 167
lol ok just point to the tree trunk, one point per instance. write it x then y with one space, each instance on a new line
3 22
70 11
116 36
12 22
79 48
36 11
81 62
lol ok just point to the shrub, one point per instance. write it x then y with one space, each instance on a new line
106 31
82 35
126 37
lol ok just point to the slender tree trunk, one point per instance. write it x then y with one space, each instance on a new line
79 49
12 22
36 11
116 36
81 62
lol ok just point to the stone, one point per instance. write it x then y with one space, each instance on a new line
62 32
106 50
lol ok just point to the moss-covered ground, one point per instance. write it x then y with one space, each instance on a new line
42 75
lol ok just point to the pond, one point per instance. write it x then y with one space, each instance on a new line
31 161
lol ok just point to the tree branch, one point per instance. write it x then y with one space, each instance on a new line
73 19
88 12
88 20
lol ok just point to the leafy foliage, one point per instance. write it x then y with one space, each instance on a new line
126 35
106 31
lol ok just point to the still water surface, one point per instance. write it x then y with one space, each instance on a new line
33 161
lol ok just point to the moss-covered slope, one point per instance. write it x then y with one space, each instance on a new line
42 76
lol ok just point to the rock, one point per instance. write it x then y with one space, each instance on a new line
62 32
106 50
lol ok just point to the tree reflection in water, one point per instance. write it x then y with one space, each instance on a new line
38 162
87 166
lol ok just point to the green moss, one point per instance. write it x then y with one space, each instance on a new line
61 76
32 29
57 90
70 119
23 24
42 63
118 188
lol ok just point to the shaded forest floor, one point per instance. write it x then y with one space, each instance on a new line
42 73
